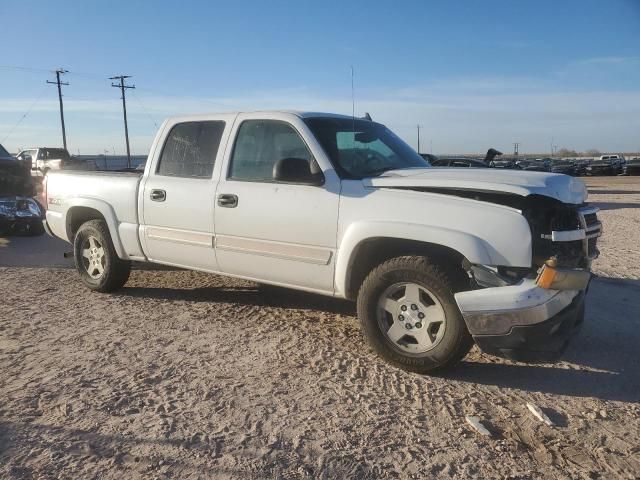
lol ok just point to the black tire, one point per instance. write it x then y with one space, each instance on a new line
115 270
442 283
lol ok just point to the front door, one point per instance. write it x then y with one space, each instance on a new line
178 196
274 232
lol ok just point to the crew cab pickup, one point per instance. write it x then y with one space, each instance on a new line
436 258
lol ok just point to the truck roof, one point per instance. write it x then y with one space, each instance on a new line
297 113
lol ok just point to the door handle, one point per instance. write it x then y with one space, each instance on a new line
158 195
227 200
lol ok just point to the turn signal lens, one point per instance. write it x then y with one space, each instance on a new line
546 277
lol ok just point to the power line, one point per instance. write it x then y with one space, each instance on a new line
135 95
123 88
33 104
24 69
61 71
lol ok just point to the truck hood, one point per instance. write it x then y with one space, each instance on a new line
560 187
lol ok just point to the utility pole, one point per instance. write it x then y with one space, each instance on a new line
418 138
516 147
122 88
61 71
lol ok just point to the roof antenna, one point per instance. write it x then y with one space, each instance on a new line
353 108
353 100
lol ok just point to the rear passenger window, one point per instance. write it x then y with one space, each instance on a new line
191 149
260 144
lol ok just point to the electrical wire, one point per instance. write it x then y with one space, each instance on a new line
145 109
25 115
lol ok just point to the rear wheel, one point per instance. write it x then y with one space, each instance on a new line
409 315
96 260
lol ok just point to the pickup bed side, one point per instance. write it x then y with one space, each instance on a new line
75 197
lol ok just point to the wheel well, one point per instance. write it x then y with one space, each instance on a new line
76 216
372 252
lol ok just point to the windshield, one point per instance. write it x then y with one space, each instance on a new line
361 148
3 152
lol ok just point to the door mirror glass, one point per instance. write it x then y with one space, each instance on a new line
297 170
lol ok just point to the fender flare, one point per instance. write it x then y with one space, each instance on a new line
108 214
471 247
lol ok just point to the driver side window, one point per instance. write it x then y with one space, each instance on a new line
258 147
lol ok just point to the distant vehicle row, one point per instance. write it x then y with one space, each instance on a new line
604 165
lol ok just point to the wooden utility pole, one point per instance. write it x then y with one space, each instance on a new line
122 88
61 71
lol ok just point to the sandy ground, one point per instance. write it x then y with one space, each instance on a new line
186 375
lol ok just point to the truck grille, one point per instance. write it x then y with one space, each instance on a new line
592 228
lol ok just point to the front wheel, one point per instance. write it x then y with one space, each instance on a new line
409 315
96 260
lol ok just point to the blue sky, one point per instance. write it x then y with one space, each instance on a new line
472 74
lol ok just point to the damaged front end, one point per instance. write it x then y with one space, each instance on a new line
529 314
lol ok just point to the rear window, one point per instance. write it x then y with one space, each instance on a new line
191 149
55 154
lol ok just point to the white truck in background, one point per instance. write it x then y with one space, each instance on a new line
435 258
43 159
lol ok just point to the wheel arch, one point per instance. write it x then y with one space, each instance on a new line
362 249
84 210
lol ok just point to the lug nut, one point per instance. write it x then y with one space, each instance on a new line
418 325
421 315
409 326
401 318
403 308
414 307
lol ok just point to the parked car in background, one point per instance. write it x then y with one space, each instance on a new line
429 157
563 166
20 215
580 167
606 165
632 166
18 212
44 159
336 205
508 163
459 162
15 177
535 165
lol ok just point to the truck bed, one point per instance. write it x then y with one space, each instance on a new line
114 194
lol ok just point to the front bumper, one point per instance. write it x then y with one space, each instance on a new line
522 322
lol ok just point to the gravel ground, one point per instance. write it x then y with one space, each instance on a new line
187 375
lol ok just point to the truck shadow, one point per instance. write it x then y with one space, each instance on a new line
256 295
601 361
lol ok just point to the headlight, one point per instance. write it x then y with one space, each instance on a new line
34 208
6 209
27 208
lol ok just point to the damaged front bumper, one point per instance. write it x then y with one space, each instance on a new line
525 322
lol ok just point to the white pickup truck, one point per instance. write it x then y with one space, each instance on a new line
436 258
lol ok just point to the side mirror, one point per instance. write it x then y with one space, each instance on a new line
298 171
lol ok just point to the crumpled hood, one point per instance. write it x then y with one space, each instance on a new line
560 187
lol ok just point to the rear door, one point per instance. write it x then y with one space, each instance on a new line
178 197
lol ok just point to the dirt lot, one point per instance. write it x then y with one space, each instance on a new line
186 375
